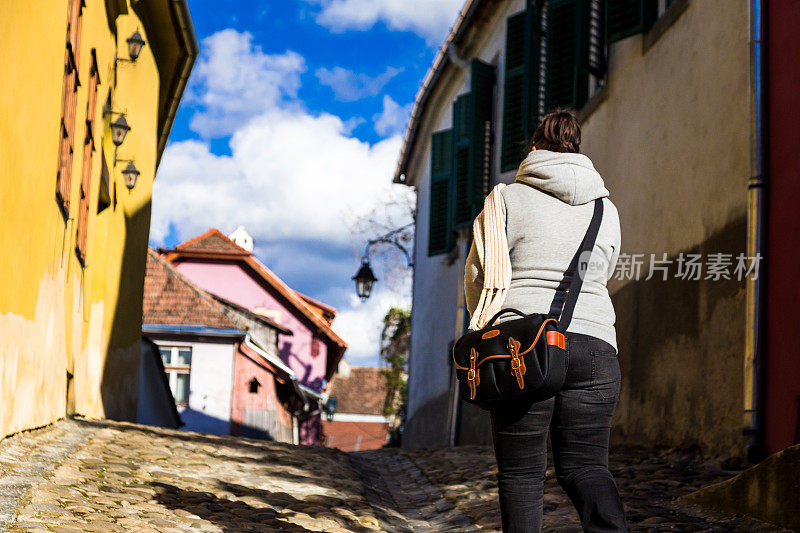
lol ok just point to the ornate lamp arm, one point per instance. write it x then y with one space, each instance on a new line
390 238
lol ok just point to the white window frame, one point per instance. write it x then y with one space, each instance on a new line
174 368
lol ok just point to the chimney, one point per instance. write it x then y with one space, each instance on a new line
242 238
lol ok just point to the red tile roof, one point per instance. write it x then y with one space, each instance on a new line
363 392
215 245
171 299
212 241
324 310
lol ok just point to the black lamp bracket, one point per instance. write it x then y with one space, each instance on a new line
392 239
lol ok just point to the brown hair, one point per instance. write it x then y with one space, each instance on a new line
558 132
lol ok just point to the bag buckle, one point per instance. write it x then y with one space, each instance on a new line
473 374
517 362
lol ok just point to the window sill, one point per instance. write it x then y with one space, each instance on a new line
663 24
593 103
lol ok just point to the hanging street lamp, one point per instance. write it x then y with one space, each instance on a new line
131 174
364 279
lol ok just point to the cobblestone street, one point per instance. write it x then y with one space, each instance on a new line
79 475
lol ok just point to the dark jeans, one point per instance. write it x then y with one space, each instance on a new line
579 420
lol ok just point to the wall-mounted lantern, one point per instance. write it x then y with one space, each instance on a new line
131 174
135 45
119 129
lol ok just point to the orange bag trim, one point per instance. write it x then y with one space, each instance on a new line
556 338
548 336
491 333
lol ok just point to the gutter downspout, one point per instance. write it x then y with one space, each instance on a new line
462 321
755 350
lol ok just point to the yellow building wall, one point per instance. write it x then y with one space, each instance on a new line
672 142
57 316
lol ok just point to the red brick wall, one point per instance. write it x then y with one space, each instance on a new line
345 435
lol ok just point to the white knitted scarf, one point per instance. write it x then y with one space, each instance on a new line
491 244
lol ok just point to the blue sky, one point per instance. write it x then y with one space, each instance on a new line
278 26
291 126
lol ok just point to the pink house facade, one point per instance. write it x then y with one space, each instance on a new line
218 265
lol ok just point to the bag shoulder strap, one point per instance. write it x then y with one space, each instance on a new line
567 295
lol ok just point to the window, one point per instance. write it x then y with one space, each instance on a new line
69 102
254 385
178 364
554 57
86 170
521 86
575 57
629 17
461 160
440 235
472 144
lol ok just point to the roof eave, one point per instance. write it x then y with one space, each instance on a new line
440 62
191 329
180 10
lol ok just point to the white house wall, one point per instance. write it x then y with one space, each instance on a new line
210 386
438 280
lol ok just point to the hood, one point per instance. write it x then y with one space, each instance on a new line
569 177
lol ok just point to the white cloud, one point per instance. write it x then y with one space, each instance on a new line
294 179
430 19
392 119
234 79
361 323
349 86
292 173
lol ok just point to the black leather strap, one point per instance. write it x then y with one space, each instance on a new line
503 311
570 287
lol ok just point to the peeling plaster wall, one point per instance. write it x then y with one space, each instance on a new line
70 332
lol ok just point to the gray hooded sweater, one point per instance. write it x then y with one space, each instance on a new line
548 210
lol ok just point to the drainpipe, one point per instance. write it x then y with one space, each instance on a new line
462 320
295 430
755 351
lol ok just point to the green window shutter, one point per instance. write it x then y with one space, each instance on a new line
521 84
512 148
533 62
461 177
440 234
628 17
482 84
567 83
472 144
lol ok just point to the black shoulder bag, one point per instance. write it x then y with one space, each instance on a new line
525 357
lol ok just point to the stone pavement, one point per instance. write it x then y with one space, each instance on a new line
79 475
649 483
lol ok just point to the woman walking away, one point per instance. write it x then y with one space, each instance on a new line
547 211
